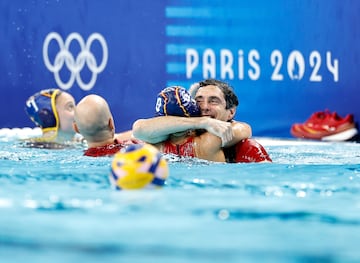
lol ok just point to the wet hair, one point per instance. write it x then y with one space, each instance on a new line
229 94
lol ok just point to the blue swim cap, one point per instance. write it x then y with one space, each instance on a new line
176 101
41 109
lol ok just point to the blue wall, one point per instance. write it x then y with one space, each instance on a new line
285 59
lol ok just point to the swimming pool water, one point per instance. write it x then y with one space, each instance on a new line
58 206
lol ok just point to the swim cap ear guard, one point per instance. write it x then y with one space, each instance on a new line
41 109
176 101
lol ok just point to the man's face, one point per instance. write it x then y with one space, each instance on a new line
212 103
65 106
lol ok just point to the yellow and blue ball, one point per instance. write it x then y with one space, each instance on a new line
138 166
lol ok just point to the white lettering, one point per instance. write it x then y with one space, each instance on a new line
31 103
248 65
209 64
315 63
254 73
296 65
333 68
276 60
226 63
241 64
192 61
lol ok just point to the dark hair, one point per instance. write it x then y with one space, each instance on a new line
229 94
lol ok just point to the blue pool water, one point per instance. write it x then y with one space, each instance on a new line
57 206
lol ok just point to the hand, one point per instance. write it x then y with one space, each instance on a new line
219 128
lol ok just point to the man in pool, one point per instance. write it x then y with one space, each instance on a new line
53 111
217 102
94 121
176 101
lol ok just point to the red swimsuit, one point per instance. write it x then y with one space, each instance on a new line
249 151
184 149
245 151
109 149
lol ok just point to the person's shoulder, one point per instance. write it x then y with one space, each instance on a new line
242 125
235 122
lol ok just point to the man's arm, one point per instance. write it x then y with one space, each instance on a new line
158 129
209 146
240 131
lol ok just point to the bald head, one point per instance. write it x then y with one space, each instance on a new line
93 119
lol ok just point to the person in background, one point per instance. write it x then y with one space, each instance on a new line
53 111
95 122
218 104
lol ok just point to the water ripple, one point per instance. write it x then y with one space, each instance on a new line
304 216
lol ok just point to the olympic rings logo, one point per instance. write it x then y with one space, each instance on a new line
75 65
